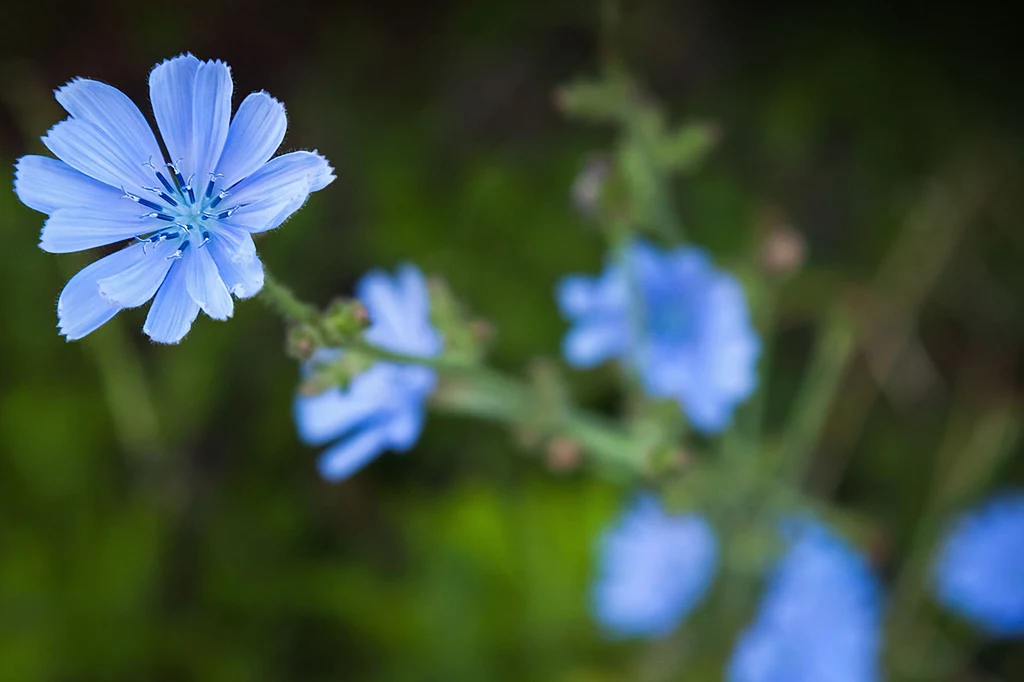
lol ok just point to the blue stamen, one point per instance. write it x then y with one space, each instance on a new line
160 216
166 183
177 173
211 183
163 195
219 198
179 252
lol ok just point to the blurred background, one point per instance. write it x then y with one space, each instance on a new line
159 519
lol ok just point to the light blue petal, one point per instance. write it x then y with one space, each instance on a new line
211 116
404 429
646 261
76 229
591 343
173 310
87 149
46 185
690 262
171 89
399 310
606 295
352 454
81 309
138 283
279 188
979 568
239 267
323 417
268 214
237 242
383 303
412 286
111 111
708 415
654 570
255 134
575 295
205 286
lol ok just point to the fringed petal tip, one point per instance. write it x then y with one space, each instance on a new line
17 184
170 60
270 97
55 126
77 79
324 176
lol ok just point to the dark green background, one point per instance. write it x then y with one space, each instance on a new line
207 548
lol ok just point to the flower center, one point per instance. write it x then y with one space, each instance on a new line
670 318
179 212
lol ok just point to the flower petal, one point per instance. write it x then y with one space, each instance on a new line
171 87
78 229
323 417
382 300
579 295
47 184
211 116
86 148
173 310
403 430
576 295
236 242
81 309
255 134
240 268
205 286
352 454
278 189
111 111
138 283
412 286
591 343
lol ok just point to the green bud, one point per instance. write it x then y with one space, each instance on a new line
687 147
344 320
303 340
607 101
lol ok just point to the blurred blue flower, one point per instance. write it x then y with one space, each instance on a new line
691 339
979 572
191 219
383 407
819 619
654 569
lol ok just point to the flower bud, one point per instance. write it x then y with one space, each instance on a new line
783 249
588 186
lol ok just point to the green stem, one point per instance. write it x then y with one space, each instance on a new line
835 346
495 397
283 301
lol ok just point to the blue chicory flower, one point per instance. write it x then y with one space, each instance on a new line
383 407
820 618
191 219
979 572
654 569
689 337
